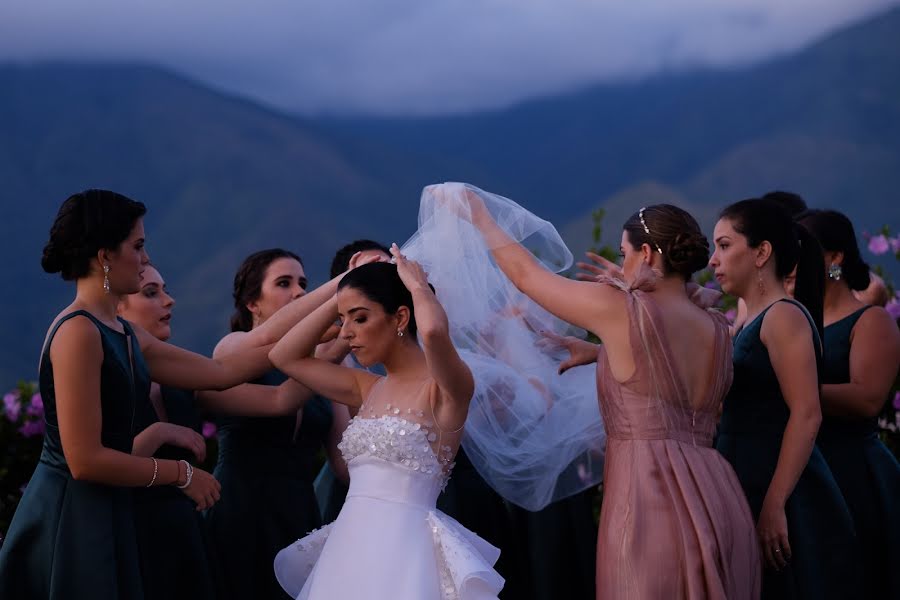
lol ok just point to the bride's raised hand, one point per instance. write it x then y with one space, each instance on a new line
411 273
600 268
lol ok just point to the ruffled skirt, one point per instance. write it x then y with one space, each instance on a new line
384 550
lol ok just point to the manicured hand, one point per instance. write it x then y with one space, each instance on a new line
601 267
773 535
411 273
185 437
581 352
204 489
358 260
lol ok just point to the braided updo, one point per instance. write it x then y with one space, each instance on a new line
674 232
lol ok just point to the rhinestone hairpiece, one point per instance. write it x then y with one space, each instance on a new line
647 229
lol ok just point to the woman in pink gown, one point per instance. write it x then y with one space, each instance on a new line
674 521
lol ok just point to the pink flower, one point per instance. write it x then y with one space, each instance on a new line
32 428
730 314
878 244
11 406
897 400
36 407
209 429
893 308
895 244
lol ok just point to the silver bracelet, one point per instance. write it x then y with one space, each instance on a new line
190 474
155 472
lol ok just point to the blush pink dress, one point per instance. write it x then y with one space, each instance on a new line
674 521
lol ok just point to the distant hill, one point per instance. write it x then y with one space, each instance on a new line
824 122
223 176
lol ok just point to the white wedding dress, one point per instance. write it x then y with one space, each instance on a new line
389 541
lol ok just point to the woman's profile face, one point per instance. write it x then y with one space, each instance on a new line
733 260
631 257
285 281
365 326
127 262
151 307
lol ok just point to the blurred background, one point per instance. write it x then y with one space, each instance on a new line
306 125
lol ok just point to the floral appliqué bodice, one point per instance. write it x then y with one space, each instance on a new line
401 436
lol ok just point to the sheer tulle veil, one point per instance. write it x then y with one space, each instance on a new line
535 436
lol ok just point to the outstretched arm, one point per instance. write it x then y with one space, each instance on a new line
176 367
293 356
274 328
256 400
586 304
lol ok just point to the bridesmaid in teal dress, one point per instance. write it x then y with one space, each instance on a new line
266 465
170 531
862 351
73 534
772 414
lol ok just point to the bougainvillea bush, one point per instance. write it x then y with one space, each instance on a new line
22 427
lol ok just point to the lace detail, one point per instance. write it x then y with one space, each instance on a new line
398 440
461 556
301 556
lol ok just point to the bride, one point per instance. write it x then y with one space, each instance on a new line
389 541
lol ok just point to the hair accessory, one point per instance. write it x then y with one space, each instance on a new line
106 279
155 472
835 272
647 229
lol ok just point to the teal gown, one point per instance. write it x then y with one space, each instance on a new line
825 550
544 555
866 471
171 540
76 539
267 503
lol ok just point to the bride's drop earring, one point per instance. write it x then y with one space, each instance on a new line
399 333
106 279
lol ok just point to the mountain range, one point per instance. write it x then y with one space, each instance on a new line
223 176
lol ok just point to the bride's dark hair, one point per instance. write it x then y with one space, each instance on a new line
379 282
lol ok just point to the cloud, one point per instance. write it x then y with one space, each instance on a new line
416 56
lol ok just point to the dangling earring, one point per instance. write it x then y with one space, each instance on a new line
399 333
106 279
835 272
760 283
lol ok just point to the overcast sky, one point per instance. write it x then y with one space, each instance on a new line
416 56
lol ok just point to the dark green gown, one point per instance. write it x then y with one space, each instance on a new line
544 555
170 530
560 547
76 539
825 551
866 471
267 499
